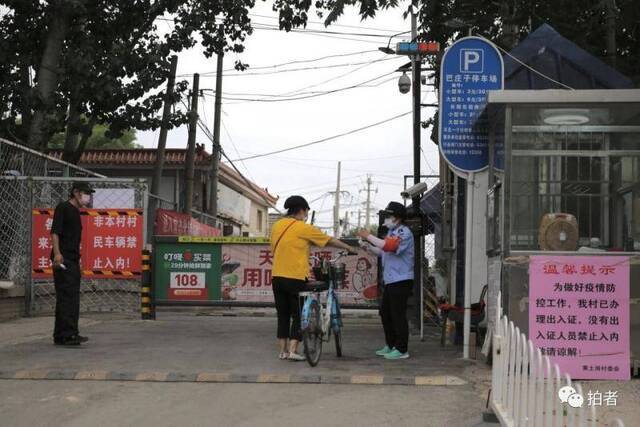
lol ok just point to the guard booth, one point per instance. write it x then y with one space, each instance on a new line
563 210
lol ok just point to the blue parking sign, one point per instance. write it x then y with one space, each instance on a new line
470 68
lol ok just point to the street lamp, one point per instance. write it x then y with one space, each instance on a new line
388 49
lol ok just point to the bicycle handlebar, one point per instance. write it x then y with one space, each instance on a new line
332 260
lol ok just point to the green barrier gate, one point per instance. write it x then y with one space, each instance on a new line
236 271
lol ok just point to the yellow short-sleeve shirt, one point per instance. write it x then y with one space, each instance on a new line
291 257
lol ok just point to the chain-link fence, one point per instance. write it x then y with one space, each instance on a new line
97 295
18 160
30 180
432 208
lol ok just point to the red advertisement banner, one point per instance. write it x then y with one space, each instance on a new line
171 223
111 246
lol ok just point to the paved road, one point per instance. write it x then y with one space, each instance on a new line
186 343
117 404
238 345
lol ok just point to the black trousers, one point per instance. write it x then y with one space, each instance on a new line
67 285
285 292
394 314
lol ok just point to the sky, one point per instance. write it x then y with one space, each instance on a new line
383 152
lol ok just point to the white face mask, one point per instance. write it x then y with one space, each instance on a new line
85 199
390 223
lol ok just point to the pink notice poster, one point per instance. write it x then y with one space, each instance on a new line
579 314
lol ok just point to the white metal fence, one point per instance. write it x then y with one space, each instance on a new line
525 384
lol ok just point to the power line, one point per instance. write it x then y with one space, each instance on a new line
333 25
314 31
293 70
315 166
328 138
233 144
534 70
307 30
300 90
424 156
364 159
253 186
296 62
320 34
320 187
298 98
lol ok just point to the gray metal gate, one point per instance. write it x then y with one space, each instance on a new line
30 180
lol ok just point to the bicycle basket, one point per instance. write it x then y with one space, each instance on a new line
320 275
338 272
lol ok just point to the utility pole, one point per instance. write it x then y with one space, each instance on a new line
336 207
216 149
367 209
191 144
345 224
162 143
417 238
359 217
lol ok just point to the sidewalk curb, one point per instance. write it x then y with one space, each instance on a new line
221 377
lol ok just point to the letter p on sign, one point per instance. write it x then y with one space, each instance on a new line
471 61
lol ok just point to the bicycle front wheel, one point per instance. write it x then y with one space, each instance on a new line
312 335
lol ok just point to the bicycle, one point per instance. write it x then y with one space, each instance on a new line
318 322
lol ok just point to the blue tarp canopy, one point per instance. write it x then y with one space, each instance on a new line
549 53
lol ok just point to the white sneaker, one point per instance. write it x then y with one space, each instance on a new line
283 356
296 357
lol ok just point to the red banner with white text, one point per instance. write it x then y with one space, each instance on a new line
111 245
171 223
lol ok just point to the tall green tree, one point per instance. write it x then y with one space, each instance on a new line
588 23
608 29
68 65
99 140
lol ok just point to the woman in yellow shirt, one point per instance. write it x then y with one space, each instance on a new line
291 239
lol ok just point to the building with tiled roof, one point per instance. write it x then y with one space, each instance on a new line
242 205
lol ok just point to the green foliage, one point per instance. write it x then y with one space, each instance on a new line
111 65
504 22
72 64
100 141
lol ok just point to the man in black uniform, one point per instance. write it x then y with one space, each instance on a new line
66 232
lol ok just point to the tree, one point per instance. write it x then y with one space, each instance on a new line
99 140
504 22
69 65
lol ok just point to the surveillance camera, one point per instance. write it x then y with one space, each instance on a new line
414 191
404 83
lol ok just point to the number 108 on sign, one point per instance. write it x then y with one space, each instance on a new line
180 280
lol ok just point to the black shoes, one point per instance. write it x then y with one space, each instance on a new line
72 341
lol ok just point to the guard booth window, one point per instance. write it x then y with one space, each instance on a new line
580 161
